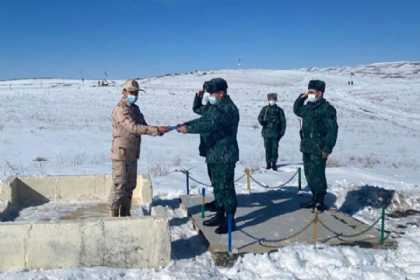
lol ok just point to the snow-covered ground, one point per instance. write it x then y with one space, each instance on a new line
64 127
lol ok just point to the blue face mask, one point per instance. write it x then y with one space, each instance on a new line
213 100
131 99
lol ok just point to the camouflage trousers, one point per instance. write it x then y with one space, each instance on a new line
222 179
314 166
271 146
124 181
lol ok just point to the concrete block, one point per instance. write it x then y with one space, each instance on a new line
53 245
143 193
5 199
31 191
104 185
2 192
118 242
127 241
12 246
93 240
34 188
79 188
122 242
159 211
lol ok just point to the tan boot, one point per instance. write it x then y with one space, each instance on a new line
115 212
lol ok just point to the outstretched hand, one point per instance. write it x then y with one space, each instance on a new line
182 129
163 129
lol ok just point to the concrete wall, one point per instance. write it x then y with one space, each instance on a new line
35 190
5 199
117 242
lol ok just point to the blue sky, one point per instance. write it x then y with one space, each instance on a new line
130 38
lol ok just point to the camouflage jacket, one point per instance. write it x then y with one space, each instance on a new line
218 128
273 121
199 109
319 126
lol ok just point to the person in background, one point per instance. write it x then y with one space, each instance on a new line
273 121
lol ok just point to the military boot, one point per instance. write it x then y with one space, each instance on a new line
274 165
210 206
115 212
223 228
125 211
216 220
268 165
309 204
320 205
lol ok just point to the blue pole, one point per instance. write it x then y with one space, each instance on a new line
203 201
229 221
300 178
187 175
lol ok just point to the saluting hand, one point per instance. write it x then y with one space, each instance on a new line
200 93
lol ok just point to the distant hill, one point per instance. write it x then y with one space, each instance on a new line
395 70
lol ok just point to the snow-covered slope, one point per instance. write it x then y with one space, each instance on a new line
396 70
64 127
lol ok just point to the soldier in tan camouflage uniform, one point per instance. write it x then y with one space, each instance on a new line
128 124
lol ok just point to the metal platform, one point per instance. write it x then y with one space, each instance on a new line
269 220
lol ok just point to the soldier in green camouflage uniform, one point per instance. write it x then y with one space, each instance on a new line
218 127
273 121
318 137
201 105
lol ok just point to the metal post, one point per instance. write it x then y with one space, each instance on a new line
248 179
300 178
315 228
187 180
203 201
229 220
383 226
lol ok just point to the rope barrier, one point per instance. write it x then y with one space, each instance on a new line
322 223
264 240
199 182
316 219
183 171
247 174
275 187
240 178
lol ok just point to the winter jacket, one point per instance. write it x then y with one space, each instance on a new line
273 121
218 127
319 125
128 124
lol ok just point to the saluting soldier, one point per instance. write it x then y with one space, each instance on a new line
218 128
273 121
200 106
318 138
